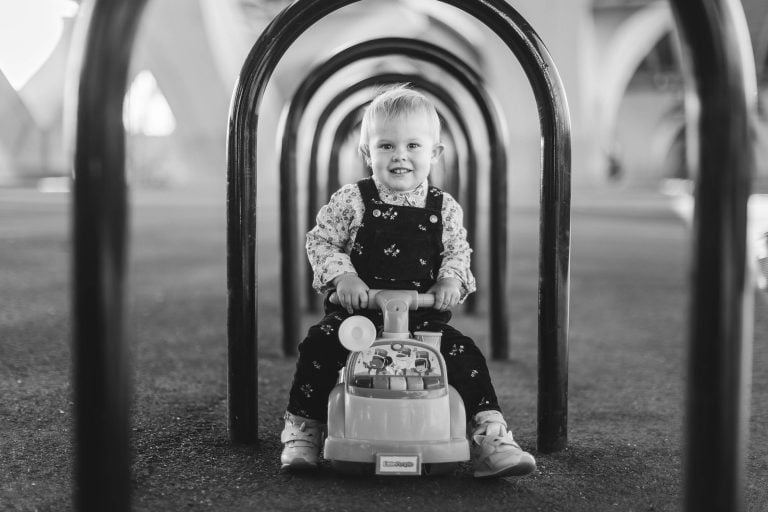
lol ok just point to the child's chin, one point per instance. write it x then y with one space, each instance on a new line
402 186
401 180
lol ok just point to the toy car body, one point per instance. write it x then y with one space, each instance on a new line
393 410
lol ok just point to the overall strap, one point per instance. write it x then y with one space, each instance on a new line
368 190
434 199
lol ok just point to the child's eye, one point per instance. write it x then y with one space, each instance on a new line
414 145
385 147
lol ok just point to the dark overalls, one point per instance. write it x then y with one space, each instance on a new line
396 248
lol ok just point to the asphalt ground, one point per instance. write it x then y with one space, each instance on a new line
628 337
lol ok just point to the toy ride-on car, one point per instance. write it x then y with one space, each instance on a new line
393 411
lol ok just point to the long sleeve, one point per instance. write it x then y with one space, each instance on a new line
328 243
456 249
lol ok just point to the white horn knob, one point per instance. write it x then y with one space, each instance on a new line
357 333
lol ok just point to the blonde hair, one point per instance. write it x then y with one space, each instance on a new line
392 102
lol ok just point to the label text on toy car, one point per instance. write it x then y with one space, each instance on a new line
398 464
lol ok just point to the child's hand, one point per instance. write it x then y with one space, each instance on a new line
352 292
447 293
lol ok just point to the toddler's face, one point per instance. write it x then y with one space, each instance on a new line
402 150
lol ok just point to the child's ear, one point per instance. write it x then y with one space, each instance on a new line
365 152
437 150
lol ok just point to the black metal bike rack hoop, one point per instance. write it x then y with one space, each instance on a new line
717 44
554 237
100 236
474 85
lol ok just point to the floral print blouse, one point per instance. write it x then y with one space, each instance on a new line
330 242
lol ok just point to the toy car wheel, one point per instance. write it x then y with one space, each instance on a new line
353 468
440 468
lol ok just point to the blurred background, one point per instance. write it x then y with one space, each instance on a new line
619 61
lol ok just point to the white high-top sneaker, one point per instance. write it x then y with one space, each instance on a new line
302 439
493 451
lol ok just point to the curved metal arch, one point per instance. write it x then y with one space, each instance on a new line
387 78
343 130
101 55
554 238
473 83
721 295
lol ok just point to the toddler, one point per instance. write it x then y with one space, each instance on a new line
395 231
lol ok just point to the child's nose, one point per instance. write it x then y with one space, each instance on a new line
399 154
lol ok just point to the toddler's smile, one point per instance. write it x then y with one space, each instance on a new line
402 149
